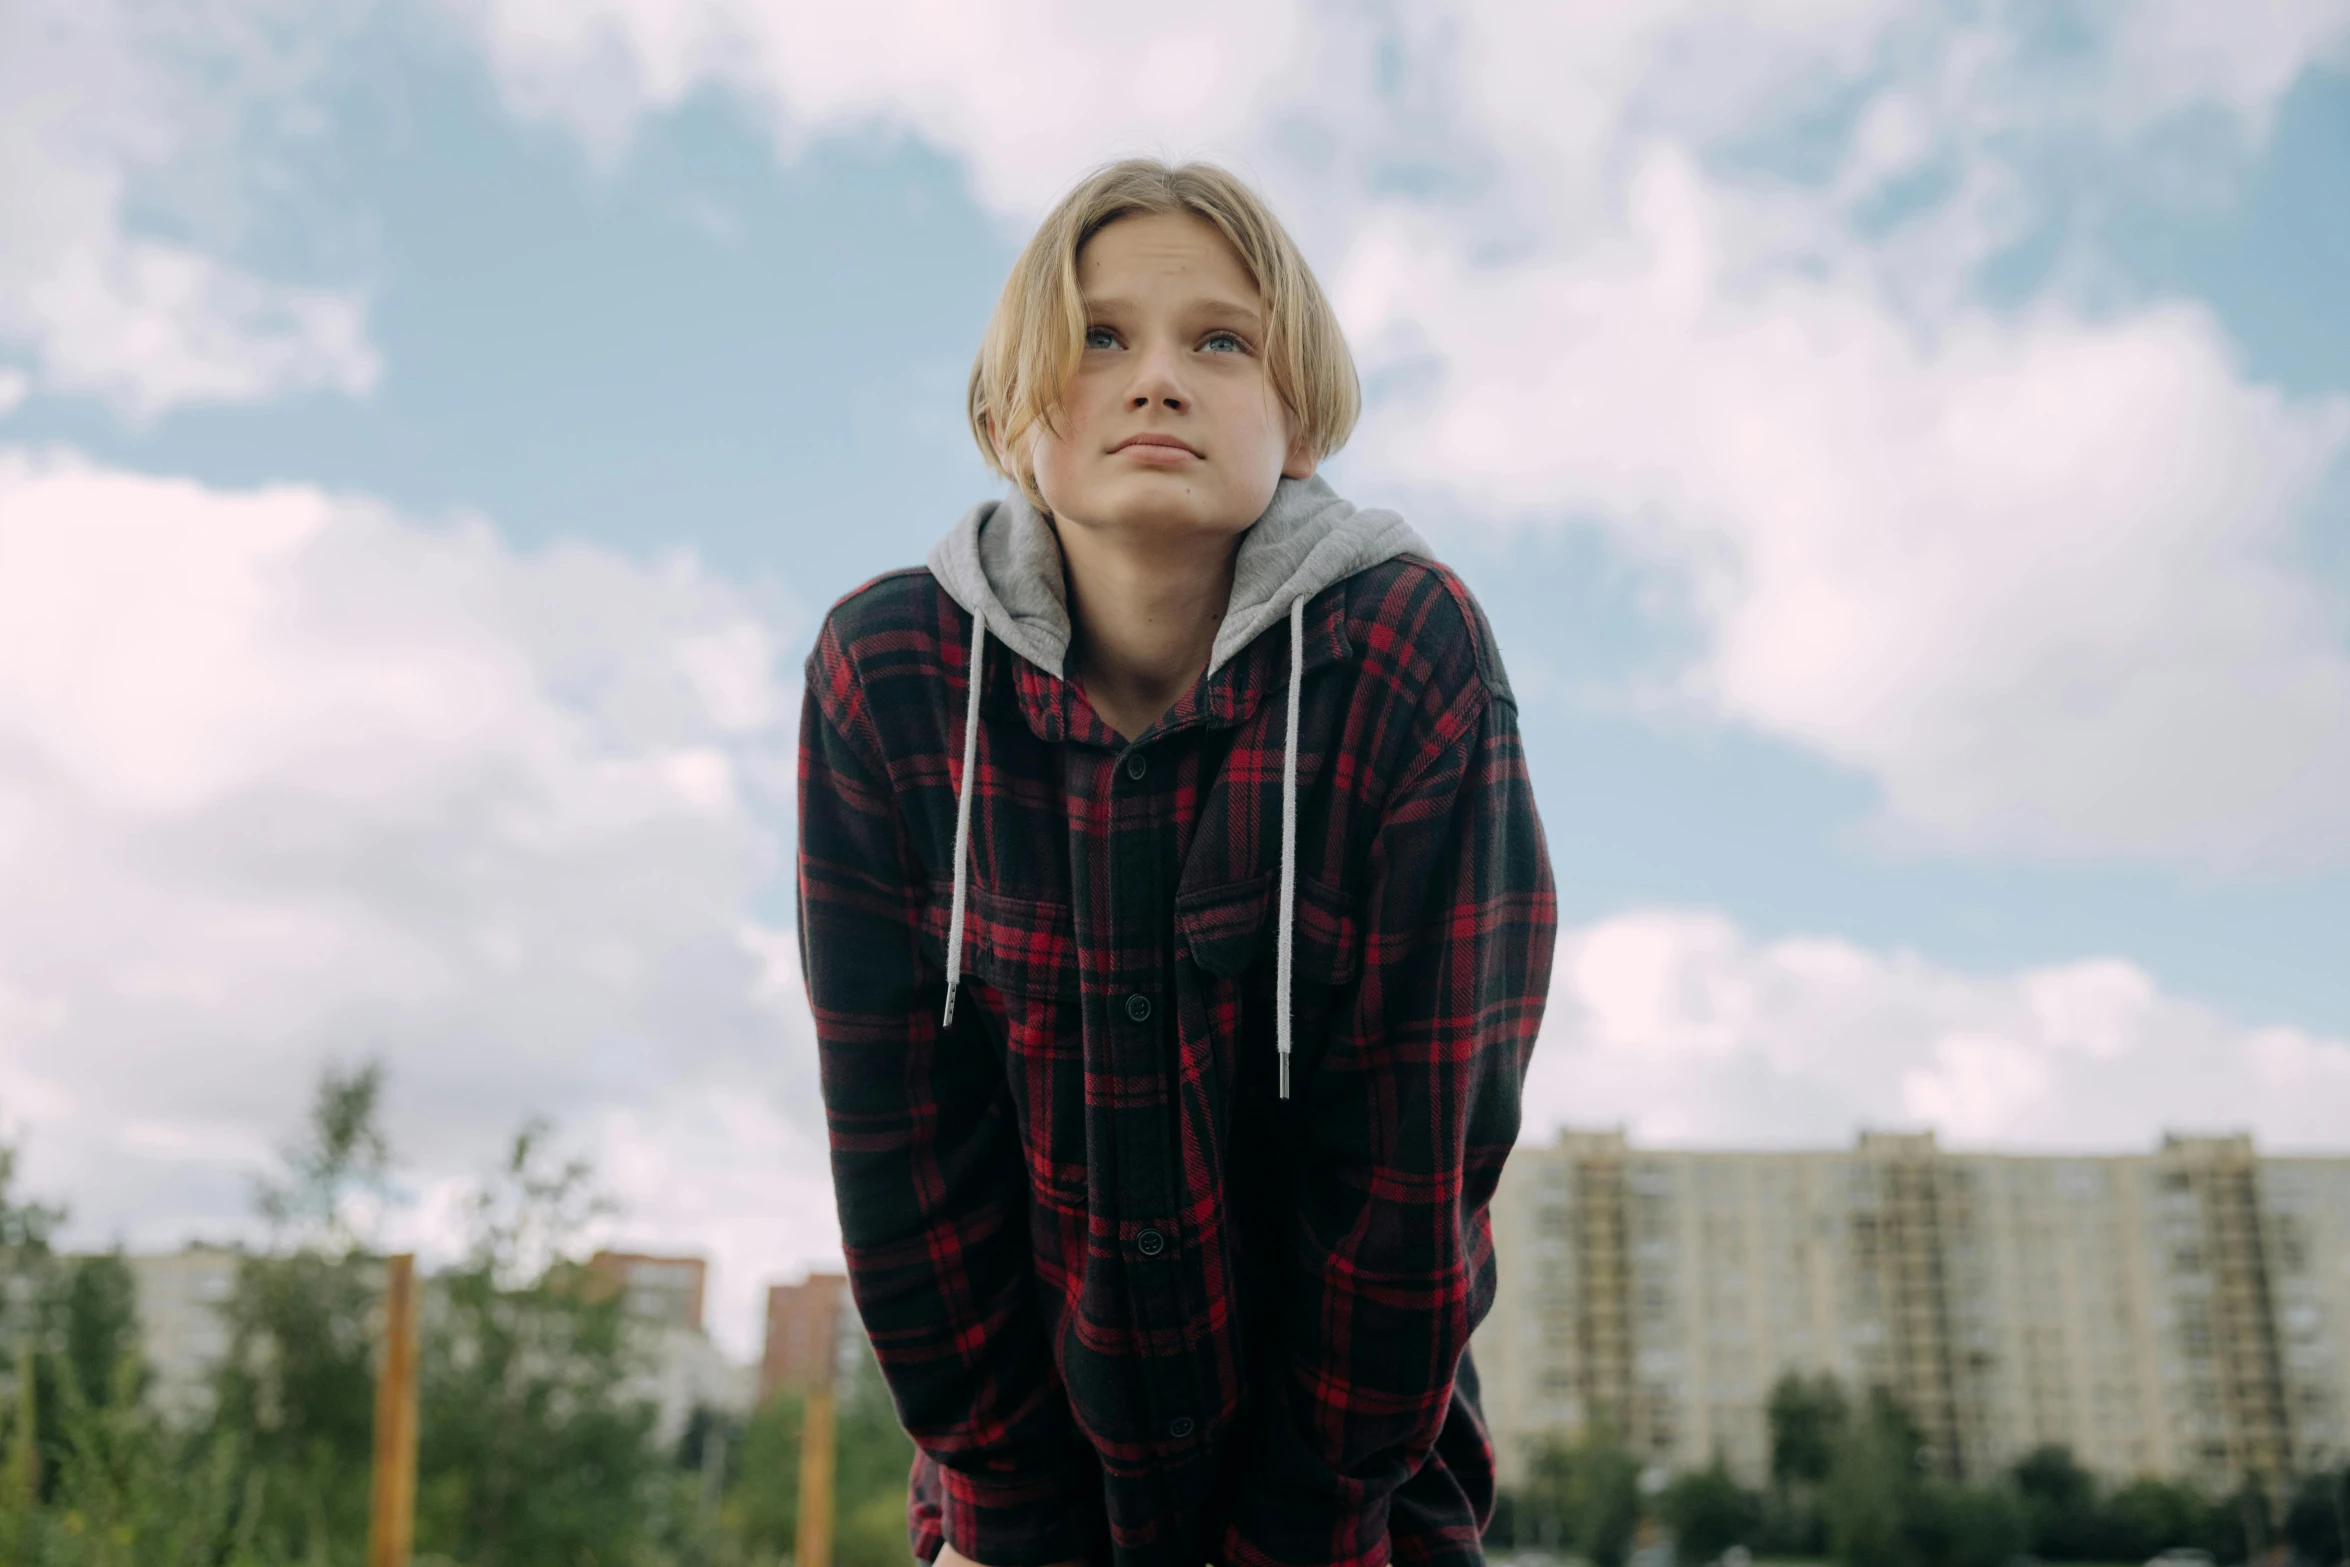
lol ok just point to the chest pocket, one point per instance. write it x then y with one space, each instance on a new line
1022 952
1025 949
1231 934
1228 930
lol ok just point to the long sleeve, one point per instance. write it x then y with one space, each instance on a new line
1405 1124
928 1172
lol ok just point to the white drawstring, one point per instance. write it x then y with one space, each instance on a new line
963 816
1285 956
1283 965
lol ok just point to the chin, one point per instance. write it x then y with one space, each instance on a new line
1161 507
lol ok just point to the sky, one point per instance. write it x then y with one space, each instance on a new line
1903 448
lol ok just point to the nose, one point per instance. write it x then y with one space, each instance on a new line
1158 379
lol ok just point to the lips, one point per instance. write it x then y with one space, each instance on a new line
1161 442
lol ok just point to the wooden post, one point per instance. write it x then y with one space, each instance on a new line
391 1509
24 1455
713 1473
814 1547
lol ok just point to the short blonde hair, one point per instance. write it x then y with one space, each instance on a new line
1037 333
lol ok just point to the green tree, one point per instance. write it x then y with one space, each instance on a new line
82 1334
1882 1509
2240 1526
536 1450
871 1532
872 1455
2315 1523
28 1273
1708 1512
875 1452
130 1492
762 1509
1808 1417
90 1478
1585 1495
2149 1516
1872 1496
690 1525
875 1455
2050 1477
295 1390
1983 1526
1947 1524
68 1337
100 1308
342 1155
533 1449
2063 1518
26 1260
1503 1530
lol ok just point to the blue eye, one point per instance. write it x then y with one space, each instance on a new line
1227 337
1100 337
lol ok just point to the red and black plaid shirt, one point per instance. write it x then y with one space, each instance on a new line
1131 1304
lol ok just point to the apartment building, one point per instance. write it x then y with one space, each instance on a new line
180 1295
2183 1312
182 1335
657 1288
685 1370
812 1328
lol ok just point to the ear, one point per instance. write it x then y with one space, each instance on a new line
1300 462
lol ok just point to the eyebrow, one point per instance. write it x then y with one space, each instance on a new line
1215 307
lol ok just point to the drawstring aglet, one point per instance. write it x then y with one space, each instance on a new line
1285 963
963 815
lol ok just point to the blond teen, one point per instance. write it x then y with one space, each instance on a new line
1177 923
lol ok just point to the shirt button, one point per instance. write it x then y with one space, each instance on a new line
1137 764
1150 1243
1180 1427
1138 1007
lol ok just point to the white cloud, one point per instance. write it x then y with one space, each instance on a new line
2036 575
728 1174
105 106
284 775
1559 93
713 1166
287 778
2174 53
2022 569
1030 92
1682 1027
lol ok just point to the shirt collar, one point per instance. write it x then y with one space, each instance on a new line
1055 710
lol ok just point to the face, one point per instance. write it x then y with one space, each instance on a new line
1171 424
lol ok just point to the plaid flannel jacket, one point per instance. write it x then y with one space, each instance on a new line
1132 1305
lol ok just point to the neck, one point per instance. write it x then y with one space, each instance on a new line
1145 613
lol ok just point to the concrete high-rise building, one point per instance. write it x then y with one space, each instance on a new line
2184 1312
658 1289
685 1370
182 1333
808 1325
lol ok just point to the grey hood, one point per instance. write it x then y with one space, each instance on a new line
1002 563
